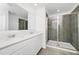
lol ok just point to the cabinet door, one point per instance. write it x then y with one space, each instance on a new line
32 47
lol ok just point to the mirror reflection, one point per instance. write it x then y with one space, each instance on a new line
16 18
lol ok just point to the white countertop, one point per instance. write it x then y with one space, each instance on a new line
16 40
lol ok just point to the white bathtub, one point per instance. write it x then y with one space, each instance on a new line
22 43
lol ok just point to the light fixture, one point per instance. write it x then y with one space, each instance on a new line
35 4
58 10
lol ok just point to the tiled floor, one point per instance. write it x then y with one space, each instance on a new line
60 44
54 51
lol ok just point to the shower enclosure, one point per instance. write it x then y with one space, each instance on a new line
63 31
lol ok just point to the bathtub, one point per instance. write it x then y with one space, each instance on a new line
21 43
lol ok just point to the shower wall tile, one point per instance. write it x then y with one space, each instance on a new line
78 31
75 27
74 30
52 29
64 29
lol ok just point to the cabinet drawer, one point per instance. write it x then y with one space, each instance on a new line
11 49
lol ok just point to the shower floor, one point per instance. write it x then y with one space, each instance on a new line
60 44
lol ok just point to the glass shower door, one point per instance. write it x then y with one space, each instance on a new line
52 32
52 29
68 31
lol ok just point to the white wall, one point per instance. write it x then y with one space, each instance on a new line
3 17
31 21
37 20
41 23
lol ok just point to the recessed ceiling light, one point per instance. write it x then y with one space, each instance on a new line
58 10
35 4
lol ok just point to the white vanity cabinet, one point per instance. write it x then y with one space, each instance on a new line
29 46
32 47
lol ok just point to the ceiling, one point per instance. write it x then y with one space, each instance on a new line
52 8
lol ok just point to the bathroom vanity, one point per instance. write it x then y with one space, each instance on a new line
16 37
21 44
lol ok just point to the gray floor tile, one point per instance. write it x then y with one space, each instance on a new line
54 51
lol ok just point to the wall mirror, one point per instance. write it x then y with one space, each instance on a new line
16 18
